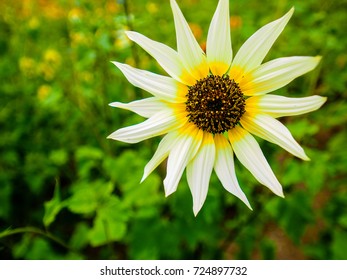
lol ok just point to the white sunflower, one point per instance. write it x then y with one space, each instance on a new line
213 103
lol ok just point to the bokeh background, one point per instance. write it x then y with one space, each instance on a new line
66 192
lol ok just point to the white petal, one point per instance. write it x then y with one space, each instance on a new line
181 153
225 170
190 53
199 172
218 46
253 51
145 107
280 106
160 123
164 55
250 155
273 131
160 86
161 153
278 73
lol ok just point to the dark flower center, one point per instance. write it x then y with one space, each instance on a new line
215 104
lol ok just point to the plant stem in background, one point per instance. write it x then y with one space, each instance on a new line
131 27
34 230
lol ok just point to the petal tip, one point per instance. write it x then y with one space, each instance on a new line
113 136
129 34
288 15
306 158
249 206
291 11
168 191
196 210
324 99
143 178
320 100
117 64
113 104
132 35
281 194
303 155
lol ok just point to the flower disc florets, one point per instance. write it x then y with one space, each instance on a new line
215 104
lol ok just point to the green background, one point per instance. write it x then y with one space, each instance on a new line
66 192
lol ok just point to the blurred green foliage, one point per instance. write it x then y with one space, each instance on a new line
66 192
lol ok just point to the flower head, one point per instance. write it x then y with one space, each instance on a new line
213 103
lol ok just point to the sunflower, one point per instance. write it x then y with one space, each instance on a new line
212 104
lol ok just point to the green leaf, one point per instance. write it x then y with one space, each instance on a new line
35 248
302 128
52 207
83 201
339 245
268 249
79 239
58 157
88 159
109 224
343 220
105 231
293 213
88 196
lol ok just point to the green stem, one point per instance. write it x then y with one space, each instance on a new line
35 231
130 25
138 92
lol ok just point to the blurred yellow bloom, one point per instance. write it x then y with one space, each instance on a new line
87 77
235 22
112 7
27 66
79 38
46 70
52 57
196 29
50 64
121 41
51 9
75 14
152 8
43 91
34 23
